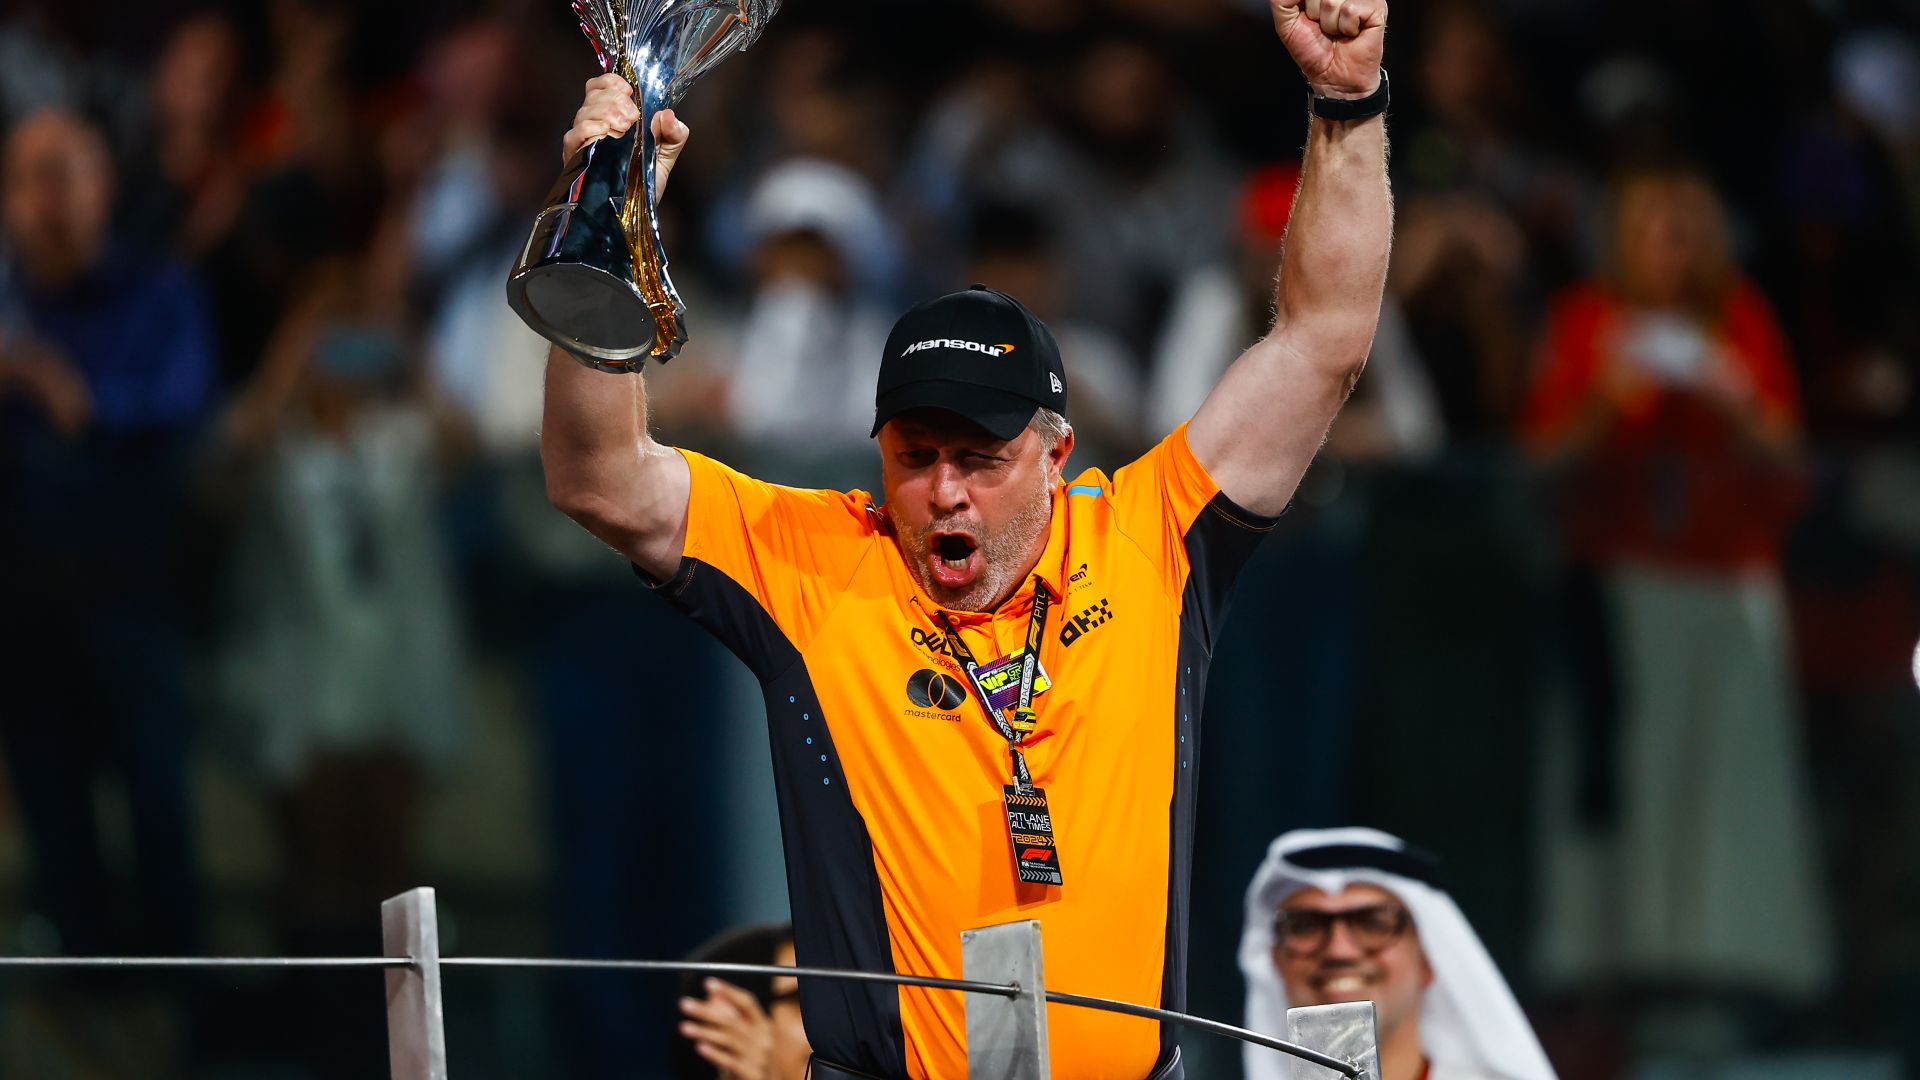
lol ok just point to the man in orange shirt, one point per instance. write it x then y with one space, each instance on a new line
983 694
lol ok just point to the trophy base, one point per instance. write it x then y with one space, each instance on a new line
599 318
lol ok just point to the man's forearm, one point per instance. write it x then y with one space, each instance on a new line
603 469
1268 416
592 432
1334 268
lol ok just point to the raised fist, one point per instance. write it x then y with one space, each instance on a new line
1337 43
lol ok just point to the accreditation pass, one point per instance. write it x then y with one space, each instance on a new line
1030 826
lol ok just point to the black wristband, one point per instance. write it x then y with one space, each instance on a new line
1373 104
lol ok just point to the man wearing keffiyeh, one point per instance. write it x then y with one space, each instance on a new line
1354 915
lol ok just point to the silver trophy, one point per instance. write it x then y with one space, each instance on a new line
593 276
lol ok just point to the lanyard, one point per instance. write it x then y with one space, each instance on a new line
1015 729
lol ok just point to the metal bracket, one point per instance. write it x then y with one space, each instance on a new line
1345 1031
1006 1036
416 1028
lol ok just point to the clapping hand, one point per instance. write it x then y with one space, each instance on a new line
730 1030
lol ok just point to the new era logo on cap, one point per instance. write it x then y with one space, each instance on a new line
978 353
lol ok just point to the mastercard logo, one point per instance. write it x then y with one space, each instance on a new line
930 689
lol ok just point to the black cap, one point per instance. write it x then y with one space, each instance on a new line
979 353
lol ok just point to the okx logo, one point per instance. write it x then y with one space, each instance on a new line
933 690
1086 622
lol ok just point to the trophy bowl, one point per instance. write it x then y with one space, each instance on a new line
592 277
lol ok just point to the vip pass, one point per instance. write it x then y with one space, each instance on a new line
1001 679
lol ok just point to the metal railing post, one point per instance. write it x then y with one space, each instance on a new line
1006 1036
416 1029
1344 1031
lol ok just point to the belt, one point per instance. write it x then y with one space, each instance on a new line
820 1069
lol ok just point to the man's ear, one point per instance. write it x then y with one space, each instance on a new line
1057 458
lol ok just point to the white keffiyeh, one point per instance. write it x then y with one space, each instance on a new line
1470 1026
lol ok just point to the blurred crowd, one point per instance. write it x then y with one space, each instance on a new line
1605 586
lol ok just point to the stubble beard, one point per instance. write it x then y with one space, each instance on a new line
1004 553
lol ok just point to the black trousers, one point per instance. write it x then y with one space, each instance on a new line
818 1069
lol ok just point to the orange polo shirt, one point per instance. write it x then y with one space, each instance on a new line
889 773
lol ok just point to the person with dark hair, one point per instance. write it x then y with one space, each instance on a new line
949 750
106 377
742 1027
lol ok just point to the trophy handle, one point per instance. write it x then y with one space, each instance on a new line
640 221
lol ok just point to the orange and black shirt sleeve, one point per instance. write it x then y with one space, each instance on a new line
1168 504
763 569
764 564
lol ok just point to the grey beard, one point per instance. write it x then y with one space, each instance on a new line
1003 554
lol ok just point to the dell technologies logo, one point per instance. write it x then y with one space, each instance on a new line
956 343
936 644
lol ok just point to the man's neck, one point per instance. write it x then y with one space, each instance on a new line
1401 1057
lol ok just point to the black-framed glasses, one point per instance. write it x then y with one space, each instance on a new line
1304 932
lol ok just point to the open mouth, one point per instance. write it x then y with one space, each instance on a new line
955 560
953 549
